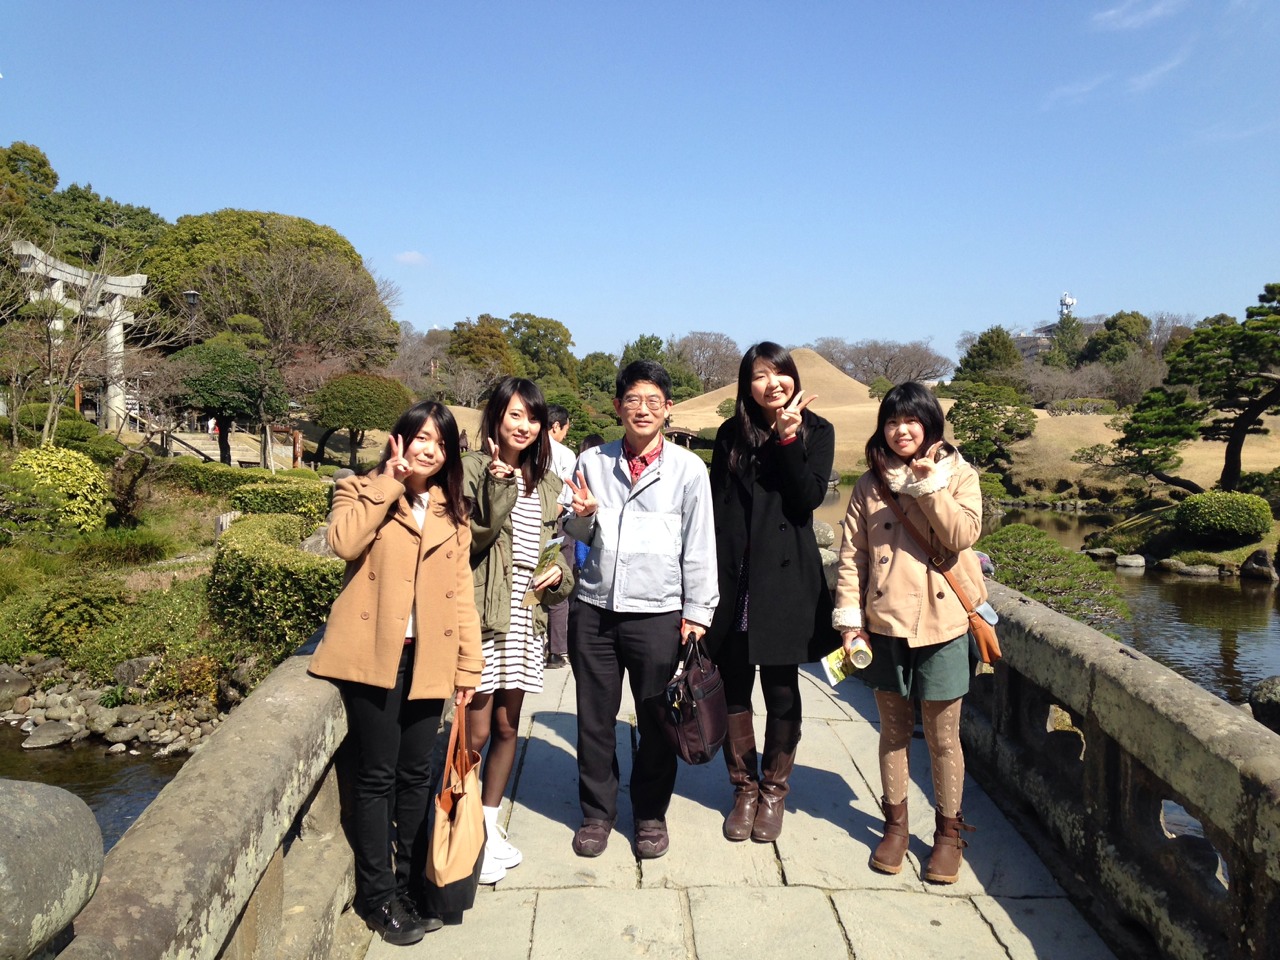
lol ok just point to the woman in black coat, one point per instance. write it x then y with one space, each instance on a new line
769 470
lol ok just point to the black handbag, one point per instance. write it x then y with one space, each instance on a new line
695 716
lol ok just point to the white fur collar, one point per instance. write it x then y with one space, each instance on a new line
899 478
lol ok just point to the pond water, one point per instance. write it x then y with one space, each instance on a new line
1223 634
117 787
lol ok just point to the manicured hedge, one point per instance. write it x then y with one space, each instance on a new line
1222 518
1057 408
306 498
217 478
267 591
992 486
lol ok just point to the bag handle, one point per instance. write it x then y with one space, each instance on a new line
695 653
938 560
458 754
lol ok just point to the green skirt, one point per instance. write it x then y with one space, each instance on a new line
937 672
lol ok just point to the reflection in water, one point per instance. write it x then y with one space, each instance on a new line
1222 634
116 787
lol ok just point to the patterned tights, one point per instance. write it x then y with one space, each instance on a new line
942 735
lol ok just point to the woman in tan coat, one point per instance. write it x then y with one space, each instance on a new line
890 595
403 635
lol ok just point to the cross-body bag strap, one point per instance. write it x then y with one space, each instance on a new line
938 560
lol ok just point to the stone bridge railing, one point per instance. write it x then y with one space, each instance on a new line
1090 738
242 855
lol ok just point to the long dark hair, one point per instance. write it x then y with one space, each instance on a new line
910 400
449 479
752 427
535 458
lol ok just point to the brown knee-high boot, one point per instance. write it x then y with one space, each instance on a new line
780 740
888 854
948 848
740 758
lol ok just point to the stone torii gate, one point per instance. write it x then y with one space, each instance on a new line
92 295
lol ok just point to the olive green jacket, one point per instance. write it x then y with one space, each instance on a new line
492 501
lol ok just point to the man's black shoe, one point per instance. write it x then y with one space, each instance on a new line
393 924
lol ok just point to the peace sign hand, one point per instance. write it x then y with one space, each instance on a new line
396 467
924 465
497 468
584 502
789 417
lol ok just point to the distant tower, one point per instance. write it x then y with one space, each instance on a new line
1065 303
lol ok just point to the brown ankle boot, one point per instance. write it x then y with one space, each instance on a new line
740 758
888 854
948 849
780 740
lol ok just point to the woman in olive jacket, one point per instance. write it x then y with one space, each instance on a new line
402 635
769 470
891 594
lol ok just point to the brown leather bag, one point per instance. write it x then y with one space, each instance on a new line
457 836
983 633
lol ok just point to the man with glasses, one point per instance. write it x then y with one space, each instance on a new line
644 508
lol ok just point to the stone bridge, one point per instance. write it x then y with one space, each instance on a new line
1078 741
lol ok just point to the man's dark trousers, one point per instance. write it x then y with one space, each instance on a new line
602 644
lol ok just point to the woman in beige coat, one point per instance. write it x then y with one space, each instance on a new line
403 635
890 595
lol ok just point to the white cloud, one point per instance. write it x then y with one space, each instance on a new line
1145 81
412 258
1073 92
1135 14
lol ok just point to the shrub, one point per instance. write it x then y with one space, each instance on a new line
214 478
264 590
29 508
1032 562
16 576
1057 408
101 448
17 614
992 486
121 548
73 609
308 499
1263 484
31 415
1223 519
77 477
326 470
727 407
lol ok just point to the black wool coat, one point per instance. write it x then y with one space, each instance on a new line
789 613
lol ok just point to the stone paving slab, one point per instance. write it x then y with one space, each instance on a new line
811 893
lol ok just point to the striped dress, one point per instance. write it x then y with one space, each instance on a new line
513 660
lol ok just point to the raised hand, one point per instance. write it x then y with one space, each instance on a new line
497 468
923 465
789 417
584 503
396 467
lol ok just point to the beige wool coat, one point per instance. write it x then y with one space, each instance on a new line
392 565
885 582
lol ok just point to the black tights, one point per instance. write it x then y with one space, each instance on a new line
779 684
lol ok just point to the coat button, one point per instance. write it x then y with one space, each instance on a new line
782 526
941 595
448 633
884 559
449 554
372 575
888 525
879 593
786 563
449 595
364 615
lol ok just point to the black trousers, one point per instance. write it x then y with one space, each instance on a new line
779 684
394 737
602 645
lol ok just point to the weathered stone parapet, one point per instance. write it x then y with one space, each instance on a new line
208 869
1092 737
50 862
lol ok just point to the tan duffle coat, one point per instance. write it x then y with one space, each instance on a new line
393 565
885 582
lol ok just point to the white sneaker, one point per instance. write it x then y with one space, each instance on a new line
500 850
491 871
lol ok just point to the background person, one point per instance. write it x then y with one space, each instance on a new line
514 511
890 594
562 461
644 508
769 470
402 635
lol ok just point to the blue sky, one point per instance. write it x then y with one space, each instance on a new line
768 170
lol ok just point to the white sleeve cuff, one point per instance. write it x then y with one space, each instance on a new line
937 480
846 618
